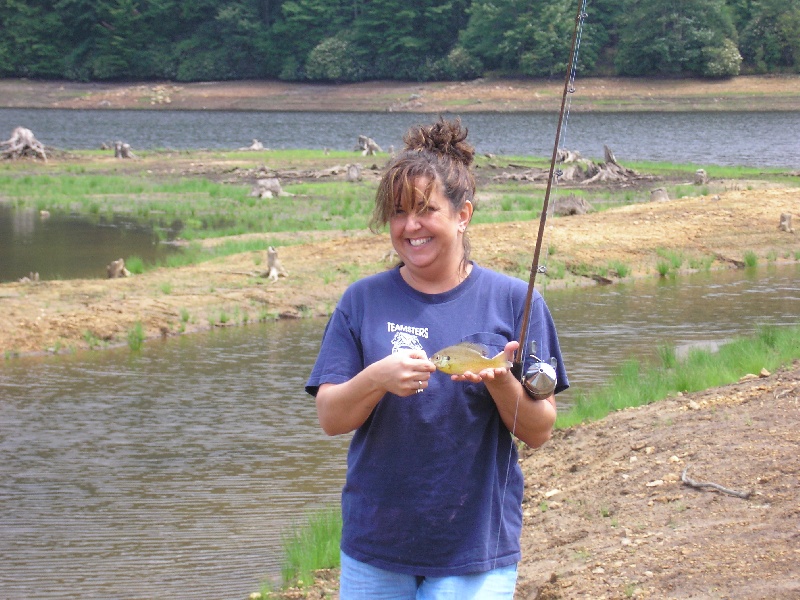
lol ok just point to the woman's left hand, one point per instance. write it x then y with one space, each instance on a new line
491 374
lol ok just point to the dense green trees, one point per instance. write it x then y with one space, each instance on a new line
356 40
680 36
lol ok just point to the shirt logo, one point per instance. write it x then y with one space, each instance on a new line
406 337
405 341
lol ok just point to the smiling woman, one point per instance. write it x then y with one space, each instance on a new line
373 377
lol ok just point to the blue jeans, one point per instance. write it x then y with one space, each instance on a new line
360 581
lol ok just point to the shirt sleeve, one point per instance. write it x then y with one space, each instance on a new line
340 356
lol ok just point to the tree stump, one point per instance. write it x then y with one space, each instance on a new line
611 170
571 205
116 268
123 150
30 277
256 145
23 143
786 223
269 187
567 156
367 146
700 177
274 266
353 173
659 195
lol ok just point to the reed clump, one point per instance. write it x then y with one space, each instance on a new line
309 547
634 383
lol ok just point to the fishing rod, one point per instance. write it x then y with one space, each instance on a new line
540 378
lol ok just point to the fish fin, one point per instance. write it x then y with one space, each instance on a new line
479 348
502 356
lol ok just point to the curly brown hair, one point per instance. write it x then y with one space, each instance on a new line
438 152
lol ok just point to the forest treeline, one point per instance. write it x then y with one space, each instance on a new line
422 40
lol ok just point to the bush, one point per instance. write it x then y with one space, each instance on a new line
332 60
721 61
459 65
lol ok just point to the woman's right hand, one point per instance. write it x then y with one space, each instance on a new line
344 407
404 373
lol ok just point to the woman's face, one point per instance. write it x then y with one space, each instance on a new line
429 239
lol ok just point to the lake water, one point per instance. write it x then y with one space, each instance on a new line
767 139
174 471
66 246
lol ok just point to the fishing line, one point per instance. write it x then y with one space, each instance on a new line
553 177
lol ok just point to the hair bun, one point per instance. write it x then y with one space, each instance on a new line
446 138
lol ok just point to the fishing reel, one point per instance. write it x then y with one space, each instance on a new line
540 378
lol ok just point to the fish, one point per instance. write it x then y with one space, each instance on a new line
466 356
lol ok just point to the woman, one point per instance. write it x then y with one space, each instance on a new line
432 502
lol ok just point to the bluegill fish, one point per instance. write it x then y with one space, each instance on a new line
457 359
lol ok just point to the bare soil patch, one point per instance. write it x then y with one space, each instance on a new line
607 514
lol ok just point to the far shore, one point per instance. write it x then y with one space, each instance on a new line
592 94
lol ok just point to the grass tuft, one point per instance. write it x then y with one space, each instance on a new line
750 259
312 546
635 384
136 337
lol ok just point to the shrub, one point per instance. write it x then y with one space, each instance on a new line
332 60
721 61
459 65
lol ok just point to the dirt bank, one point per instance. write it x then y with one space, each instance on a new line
72 315
607 515
504 95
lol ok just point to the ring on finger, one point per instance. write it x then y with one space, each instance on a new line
419 389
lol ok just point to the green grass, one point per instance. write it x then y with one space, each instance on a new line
673 258
635 384
136 337
312 546
620 268
750 259
198 208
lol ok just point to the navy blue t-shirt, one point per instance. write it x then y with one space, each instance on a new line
433 487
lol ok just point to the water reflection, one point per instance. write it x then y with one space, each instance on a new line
64 246
175 471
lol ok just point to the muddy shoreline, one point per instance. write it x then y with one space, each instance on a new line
593 94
